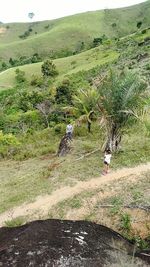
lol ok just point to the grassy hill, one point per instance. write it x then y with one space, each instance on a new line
51 38
66 66
104 54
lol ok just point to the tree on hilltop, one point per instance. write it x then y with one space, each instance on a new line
31 15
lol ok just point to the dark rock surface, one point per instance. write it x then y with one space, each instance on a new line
58 243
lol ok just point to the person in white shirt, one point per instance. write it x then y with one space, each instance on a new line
69 130
107 158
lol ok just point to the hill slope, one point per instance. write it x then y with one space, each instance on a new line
125 52
66 66
69 34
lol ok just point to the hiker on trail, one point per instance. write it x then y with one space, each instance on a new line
69 130
107 158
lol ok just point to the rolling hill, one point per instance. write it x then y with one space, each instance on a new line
70 34
66 66
125 52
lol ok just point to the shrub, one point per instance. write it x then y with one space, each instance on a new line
31 118
97 41
114 25
20 76
139 24
144 31
36 81
59 128
64 93
48 69
46 27
8 139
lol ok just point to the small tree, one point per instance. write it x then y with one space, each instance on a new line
20 76
64 93
139 24
45 109
119 94
31 15
85 103
48 69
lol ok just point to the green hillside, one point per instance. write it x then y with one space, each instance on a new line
68 65
70 34
121 52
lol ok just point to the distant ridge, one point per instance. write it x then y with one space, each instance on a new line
66 35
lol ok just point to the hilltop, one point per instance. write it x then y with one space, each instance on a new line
70 35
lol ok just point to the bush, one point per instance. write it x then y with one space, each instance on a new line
114 25
36 81
59 128
144 31
8 139
64 93
97 41
31 118
49 69
8 145
20 76
139 24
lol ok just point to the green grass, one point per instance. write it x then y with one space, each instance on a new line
18 221
83 61
120 53
67 33
23 181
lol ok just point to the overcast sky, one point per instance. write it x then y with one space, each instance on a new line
17 10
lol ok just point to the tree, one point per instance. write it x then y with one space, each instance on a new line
64 93
31 15
139 24
97 41
119 94
85 103
20 76
48 69
45 109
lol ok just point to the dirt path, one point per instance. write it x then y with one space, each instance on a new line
44 203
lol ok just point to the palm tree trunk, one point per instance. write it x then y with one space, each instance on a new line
114 139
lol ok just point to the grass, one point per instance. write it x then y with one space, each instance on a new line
120 53
88 205
67 33
84 61
18 221
23 181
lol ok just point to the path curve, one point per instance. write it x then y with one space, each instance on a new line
45 203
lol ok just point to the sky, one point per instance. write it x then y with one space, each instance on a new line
17 10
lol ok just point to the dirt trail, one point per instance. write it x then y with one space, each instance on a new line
44 203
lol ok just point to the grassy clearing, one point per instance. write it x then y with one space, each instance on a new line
69 32
23 181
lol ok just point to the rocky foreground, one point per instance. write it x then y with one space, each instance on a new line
67 243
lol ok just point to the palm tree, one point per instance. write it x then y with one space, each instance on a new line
85 102
118 95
